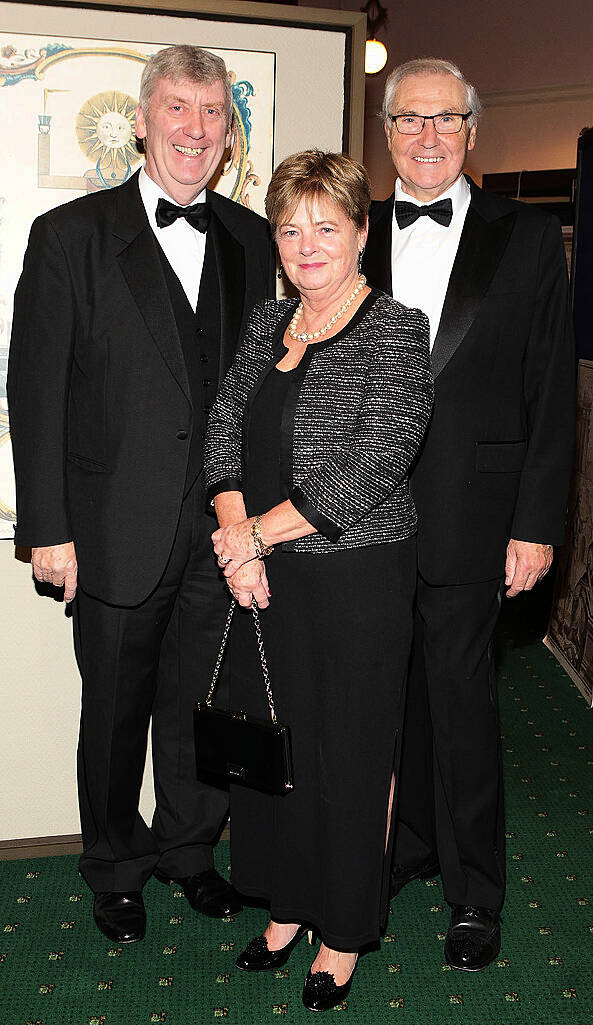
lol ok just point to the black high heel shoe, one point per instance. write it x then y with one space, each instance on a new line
320 992
257 957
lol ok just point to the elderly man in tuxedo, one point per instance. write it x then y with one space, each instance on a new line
127 314
491 480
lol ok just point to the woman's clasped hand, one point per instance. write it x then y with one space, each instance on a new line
237 557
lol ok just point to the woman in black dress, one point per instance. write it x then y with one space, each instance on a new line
309 445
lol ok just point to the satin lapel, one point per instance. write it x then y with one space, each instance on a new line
141 267
481 247
230 265
376 262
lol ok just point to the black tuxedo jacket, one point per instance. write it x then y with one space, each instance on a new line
495 462
99 399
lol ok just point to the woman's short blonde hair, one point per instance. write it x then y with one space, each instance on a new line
315 175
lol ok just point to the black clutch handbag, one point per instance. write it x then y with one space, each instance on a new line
234 747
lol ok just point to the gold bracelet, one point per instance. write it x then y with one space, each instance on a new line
260 547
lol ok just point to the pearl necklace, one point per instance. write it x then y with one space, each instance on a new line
314 335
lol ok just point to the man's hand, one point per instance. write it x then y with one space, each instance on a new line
56 564
527 562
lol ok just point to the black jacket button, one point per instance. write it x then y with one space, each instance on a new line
182 435
206 382
203 357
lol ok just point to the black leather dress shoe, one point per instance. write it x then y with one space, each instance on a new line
320 992
401 875
120 916
257 957
208 893
473 938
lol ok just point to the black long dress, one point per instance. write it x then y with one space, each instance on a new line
337 635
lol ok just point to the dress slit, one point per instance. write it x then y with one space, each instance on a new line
337 636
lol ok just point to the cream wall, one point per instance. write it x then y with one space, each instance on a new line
40 698
530 130
40 702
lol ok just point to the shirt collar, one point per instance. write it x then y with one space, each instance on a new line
151 193
459 193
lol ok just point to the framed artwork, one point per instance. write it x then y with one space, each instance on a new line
69 79
76 119
570 630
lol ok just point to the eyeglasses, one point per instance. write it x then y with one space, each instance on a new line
444 124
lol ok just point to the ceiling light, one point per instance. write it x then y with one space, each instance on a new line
375 57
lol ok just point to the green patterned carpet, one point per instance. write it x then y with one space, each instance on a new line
57 969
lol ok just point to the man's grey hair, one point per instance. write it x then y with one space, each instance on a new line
185 63
428 66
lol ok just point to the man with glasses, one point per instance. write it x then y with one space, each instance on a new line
490 483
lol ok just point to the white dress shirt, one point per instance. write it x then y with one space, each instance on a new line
183 245
422 255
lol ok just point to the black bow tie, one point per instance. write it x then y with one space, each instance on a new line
197 215
407 213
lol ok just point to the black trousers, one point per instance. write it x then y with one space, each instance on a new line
153 660
450 786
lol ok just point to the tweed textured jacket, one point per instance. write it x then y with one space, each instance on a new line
356 412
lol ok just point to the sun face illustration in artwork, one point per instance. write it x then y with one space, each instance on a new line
105 128
114 131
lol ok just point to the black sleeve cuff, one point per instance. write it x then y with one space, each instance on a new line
226 484
322 524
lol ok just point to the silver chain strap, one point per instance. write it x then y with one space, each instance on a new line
262 658
260 648
225 635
